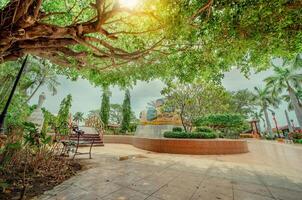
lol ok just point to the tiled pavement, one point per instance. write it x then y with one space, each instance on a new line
269 171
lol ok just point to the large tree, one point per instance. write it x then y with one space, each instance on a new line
288 77
156 38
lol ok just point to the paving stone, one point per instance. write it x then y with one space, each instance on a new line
242 195
210 192
152 198
252 188
125 194
284 194
177 190
257 175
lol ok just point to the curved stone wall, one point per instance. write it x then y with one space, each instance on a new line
182 146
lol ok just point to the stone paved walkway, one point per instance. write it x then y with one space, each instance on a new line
269 171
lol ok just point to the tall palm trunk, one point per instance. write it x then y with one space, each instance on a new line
290 128
295 103
36 89
268 123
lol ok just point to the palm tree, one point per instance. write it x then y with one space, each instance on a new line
258 116
78 117
287 77
286 98
265 99
44 75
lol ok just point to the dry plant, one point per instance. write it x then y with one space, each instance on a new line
31 170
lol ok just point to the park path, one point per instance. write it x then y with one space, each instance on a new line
270 171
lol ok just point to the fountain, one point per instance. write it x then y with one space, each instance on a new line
157 120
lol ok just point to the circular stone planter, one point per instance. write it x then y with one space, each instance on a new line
182 146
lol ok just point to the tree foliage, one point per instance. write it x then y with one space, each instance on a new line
105 107
126 112
227 123
78 117
243 102
110 43
287 77
62 123
265 99
196 99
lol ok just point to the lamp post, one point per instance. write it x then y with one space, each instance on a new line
292 121
4 112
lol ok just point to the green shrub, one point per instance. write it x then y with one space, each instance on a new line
132 127
204 129
227 122
268 137
176 129
299 141
193 135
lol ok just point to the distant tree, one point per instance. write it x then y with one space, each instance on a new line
126 112
243 102
196 100
63 116
105 107
78 117
116 113
264 99
258 116
288 77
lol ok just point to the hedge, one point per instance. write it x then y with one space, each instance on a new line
193 135
204 129
177 129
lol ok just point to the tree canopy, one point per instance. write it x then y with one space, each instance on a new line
109 42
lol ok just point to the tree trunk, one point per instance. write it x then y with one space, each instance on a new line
268 123
295 103
290 128
36 89
182 121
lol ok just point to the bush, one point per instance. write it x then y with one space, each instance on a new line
296 136
176 129
193 135
227 123
204 129
299 141
268 137
132 127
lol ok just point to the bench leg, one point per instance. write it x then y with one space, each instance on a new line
90 149
76 151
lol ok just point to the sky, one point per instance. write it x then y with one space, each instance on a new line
86 97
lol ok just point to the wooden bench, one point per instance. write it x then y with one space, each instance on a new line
69 144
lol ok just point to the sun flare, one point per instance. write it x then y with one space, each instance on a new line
129 3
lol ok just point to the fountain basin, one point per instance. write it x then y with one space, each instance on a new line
182 146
